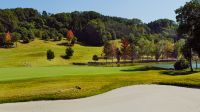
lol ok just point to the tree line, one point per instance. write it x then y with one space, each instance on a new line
89 27
145 48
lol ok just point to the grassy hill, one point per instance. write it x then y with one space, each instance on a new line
58 79
34 54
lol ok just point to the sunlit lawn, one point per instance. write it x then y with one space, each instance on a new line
34 54
52 83
26 74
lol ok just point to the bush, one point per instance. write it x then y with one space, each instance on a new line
69 52
50 55
26 40
60 36
31 35
181 64
38 33
74 40
95 58
45 36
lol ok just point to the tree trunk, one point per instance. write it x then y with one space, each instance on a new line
112 61
196 64
191 68
16 44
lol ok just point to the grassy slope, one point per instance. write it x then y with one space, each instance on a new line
47 80
34 54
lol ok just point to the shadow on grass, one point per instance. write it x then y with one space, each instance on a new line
180 85
177 73
145 68
65 44
65 57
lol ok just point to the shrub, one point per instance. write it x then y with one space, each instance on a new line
73 41
95 58
31 35
60 36
50 55
26 40
45 36
181 64
69 52
16 36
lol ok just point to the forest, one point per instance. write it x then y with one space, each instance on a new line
90 28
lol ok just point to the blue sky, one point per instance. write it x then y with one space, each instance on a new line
146 10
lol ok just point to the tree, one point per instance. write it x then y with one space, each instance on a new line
124 48
118 55
45 35
159 49
31 35
74 40
95 32
15 37
9 20
152 48
143 45
132 51
50 55
7 39
95 58
188 19
109 50
178 47
181 64
113 50
70 36
69 53
187 53
44 13
60 36
158 26
168 48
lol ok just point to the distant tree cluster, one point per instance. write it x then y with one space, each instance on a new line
90 28
147 47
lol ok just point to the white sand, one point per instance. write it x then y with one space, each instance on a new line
144 98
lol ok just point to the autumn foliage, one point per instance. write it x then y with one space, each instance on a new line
124 48
7 37
70 35
124 43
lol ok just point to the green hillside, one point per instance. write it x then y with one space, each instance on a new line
34 54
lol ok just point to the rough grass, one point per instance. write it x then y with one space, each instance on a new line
68 86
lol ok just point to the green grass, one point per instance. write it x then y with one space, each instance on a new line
34 54
50 85
21 73
26 74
